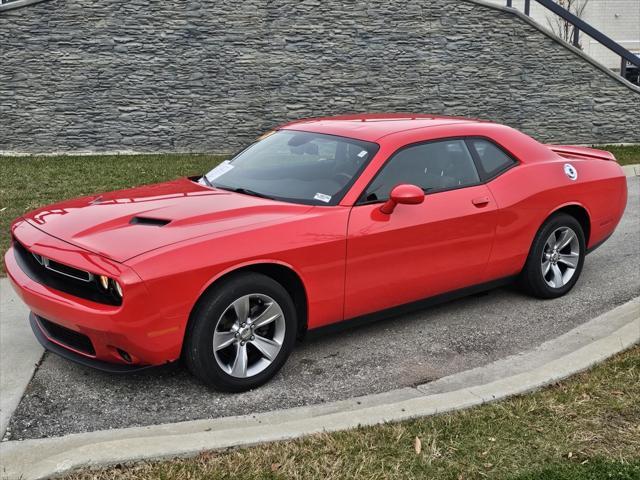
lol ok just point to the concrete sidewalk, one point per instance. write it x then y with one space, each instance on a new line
19 352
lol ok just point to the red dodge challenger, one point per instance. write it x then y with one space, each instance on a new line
317 222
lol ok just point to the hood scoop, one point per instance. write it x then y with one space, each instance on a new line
151 222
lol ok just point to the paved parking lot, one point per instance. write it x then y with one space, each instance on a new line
64 397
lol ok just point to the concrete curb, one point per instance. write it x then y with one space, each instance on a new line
631 170
18 4
568 354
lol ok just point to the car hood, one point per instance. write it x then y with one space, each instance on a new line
123 224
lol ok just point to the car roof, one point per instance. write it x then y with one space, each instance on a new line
373 126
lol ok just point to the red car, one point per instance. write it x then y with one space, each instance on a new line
317 222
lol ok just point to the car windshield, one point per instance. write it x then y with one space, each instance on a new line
295 166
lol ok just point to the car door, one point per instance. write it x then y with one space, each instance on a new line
422 250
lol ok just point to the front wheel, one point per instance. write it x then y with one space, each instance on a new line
556 258
241 333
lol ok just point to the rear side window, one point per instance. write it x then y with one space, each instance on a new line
492 159
434 166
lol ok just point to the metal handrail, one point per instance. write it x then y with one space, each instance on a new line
580 25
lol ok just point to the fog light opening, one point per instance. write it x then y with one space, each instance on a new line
125 356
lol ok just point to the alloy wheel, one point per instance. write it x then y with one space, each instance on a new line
249 335
560 257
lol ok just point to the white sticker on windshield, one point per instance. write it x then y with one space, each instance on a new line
322 197
220 170
363 154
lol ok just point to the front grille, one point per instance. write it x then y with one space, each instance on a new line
64 278
67 270
67 337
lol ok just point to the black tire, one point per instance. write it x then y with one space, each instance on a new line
198 349
532 279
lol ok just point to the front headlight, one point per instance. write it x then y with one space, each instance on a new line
118 288
110 285
104 282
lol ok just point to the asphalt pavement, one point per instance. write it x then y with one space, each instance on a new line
403 351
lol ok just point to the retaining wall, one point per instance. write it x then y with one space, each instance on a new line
211 75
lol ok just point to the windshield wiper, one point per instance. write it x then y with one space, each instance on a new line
207 181
246 191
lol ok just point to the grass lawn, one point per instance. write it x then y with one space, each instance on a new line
30 182
584 428
628 155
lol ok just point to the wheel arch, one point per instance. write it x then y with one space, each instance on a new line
580 213
282 273
527 278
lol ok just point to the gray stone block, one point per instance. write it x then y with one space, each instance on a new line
211 75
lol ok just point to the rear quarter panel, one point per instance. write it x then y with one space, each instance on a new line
528 194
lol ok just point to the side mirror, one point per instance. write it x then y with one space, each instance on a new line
403 194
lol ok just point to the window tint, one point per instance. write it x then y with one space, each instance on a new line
492 159
433 166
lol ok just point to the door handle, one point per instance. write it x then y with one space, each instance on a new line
480 201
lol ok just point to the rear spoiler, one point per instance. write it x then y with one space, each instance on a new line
575 151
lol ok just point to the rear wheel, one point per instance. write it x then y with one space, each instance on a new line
242 332
556 258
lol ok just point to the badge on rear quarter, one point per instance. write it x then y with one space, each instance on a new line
570 171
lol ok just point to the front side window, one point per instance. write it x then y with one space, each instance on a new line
492 159
295 166
433 166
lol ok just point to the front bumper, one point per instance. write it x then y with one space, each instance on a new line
135 327
73 356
